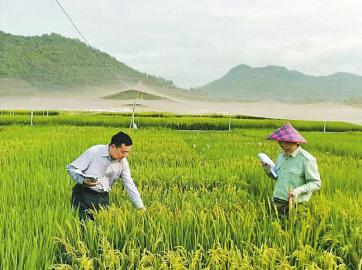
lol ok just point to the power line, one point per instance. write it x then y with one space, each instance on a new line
109 68
70 19
85 40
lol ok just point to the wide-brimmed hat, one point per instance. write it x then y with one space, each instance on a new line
287 133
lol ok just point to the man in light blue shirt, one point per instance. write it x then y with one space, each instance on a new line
95 172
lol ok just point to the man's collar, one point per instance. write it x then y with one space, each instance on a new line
105 151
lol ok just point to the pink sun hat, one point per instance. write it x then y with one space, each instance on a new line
287 133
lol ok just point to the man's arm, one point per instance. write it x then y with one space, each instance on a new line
72 171
75 168
130 186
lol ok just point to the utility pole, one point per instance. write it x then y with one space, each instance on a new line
132 123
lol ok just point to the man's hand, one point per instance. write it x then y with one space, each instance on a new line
89 182
141 210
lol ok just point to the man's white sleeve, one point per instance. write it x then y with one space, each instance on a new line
78 166
130 186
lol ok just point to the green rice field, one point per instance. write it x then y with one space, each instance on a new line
207 197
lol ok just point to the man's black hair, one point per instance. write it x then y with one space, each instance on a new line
121 138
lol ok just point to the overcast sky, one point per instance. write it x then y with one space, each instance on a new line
194 42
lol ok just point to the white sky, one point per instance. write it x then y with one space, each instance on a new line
194 42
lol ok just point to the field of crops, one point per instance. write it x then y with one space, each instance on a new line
207 199
164 120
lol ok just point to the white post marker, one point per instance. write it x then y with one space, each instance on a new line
132 124
31 118
229 121
325 118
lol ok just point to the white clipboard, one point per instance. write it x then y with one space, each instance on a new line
265 159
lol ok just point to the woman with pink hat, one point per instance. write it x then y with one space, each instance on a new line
296 170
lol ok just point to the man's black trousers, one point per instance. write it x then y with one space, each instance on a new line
86 200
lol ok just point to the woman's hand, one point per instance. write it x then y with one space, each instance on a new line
266 167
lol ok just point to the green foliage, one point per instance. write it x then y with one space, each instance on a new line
207 198
211 122
53 61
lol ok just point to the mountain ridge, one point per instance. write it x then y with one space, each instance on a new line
51 62
246 83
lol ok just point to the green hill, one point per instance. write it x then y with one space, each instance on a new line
273 82
55 62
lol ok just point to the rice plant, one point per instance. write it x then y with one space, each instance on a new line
207 199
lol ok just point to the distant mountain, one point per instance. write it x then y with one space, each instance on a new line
274 82
51 62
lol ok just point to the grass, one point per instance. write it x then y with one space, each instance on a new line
207 203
